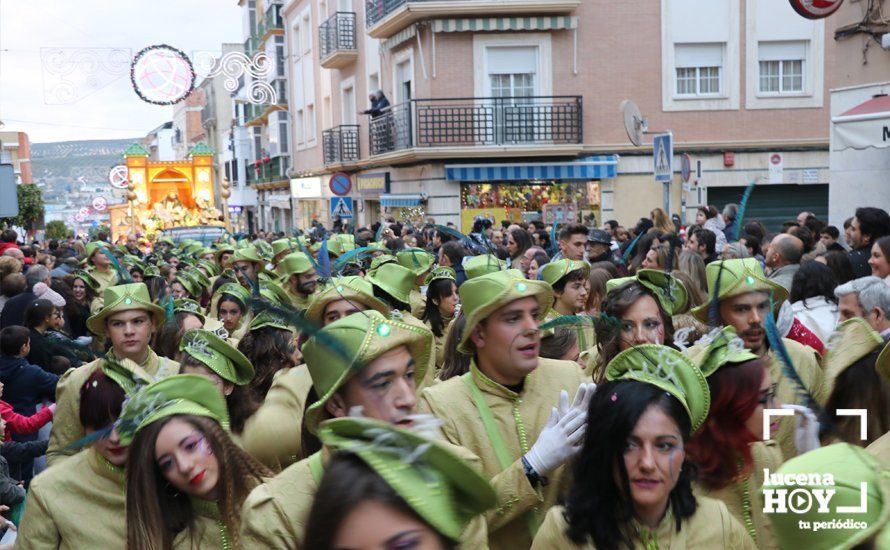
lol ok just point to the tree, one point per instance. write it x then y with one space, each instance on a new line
57 229
30 206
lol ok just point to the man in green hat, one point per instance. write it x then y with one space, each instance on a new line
99 264
745 298
128 319
419 262
501 410
298 275
373 372
247 264
281 248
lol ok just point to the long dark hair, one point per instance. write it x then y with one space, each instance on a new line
454 363
347 483
598 507
523 242
859 387
156 512
839 263
608 335
269 349
169 334
813 280
438 289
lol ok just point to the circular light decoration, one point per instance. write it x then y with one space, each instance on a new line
162 75
816 9
118 177
100 204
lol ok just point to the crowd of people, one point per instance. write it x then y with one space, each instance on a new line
409 386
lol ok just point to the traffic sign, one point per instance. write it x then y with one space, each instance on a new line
685 167
341 206
100 204
663 157
816 9
340 184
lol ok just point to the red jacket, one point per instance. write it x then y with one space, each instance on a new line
23 425
4 246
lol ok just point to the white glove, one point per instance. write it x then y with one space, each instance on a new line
559 441
806 428
581 401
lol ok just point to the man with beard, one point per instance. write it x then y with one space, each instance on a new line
745 297
505 409
299 278
868 225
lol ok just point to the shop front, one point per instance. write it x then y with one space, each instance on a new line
559 193
369 188
310 203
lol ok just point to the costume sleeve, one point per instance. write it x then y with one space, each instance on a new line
551 535
264 524
24 425
37 530
66 427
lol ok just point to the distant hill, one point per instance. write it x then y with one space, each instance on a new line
64 167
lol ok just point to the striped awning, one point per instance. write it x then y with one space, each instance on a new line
587 168
400 201
543 23
402 36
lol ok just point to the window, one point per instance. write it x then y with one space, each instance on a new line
782 67
301 127
347 104
512 70
282 135
306 38
699 68
279 56
310 122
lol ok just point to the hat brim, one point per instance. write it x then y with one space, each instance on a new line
389 289
315 312
741 286
241 367
96 323
540 290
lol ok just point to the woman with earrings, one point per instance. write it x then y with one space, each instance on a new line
186 478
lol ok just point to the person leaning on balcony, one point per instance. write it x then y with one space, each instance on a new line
378 104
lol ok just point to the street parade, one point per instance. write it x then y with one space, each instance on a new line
243 308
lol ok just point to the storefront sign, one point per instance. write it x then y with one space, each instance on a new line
304 188
560 213
372 185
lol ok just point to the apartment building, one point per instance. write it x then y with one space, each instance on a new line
15 149
510 108
263 101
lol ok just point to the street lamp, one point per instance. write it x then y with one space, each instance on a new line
225 194
131 197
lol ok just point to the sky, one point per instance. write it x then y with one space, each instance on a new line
28 86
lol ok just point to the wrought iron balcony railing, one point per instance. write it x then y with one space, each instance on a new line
341 144
337 34
477 122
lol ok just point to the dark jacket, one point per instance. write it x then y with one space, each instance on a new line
41 353
858 258
14 310
25 385
20 456
11 492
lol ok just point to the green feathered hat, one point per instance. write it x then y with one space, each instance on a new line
218 355
129 297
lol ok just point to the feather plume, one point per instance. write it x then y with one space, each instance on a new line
324 260
593 321
788 370
630 249
554 246
123 275
309 254
356 254
740 216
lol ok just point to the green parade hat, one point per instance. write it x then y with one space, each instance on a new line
211 269
853 471
416 260
361 338
233 289
192 248
437 484
218 355
281 246
189 394
353 289
202 280
669 291
441 273
87 279
484 264
851 341
380 260
295 263
186 305
723 348
129 297
273 292
92 247
264 249
483 295
187 282
167 241
269 318
737 276
668 369
247 254
395 280
151 271
223 249
554 271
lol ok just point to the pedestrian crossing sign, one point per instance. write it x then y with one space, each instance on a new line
663 157
341 206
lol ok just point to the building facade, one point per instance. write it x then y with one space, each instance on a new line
510 109
15 149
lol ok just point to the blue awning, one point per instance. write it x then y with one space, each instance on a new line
400 201
588 168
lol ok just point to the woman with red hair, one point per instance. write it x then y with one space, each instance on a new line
729 449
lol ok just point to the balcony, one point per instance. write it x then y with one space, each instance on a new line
271 23
267 172
341 144
336 38
257 114
478 122
384 18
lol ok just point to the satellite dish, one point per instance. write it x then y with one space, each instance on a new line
634 123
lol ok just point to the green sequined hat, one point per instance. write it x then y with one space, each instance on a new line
189 394
360 338
268 318
416 260
188 283
395 280
440 273
281 246
223 249
246 254
189 306
294 263
737 277
380 260
92 248
554 271
87 279
218 355
669 370
483 295
854 471
723 347
437 484
483 264
120 298
354 289
670 292
851 341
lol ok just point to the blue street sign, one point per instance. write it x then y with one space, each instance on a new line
341 206
663 157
